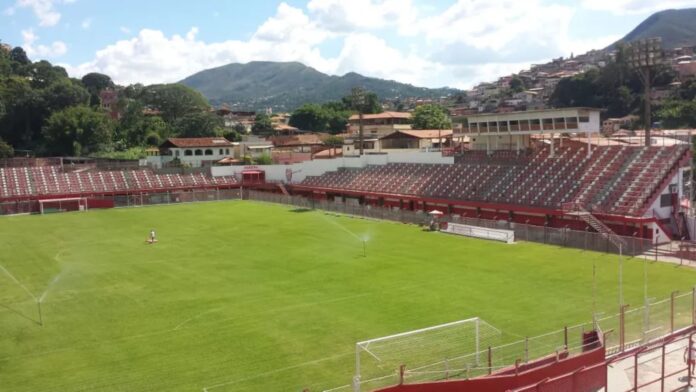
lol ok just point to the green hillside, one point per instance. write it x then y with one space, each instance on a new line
285 86
676 27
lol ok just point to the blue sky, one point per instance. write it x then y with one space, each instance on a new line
432 43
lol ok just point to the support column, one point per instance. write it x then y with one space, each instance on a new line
552 149
589 144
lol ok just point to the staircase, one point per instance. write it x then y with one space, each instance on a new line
575 209
283 189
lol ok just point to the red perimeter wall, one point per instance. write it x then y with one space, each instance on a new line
541 370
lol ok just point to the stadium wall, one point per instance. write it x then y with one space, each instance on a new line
543 369
278 173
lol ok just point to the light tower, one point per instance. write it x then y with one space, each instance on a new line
643 56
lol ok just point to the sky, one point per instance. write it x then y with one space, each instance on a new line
431 43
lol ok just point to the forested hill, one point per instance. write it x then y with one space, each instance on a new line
677 28
284 86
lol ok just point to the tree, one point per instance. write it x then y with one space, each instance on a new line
310 117
516 85
198 124
63 93
42 74
173 100
678 114
77 130
262 125
370 104
95 82
17 54
431 117
6 151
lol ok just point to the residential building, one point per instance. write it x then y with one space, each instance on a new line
375 125
194 152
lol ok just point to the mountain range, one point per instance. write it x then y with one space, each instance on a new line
284 86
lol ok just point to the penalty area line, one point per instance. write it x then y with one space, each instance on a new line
18 282
270 372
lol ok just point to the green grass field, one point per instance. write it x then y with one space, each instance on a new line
260 298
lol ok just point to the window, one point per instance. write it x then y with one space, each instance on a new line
666 200
208 152
221 151
584 119
176 153
199 152
188 153
227 151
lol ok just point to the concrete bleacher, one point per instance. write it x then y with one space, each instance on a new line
52 180
614 180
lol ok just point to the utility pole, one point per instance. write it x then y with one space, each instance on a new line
643 56
358 98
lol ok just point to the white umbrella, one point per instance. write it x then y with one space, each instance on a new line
436 212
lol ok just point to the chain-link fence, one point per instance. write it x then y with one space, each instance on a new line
542 234
635 326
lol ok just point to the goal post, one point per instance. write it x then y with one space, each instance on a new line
432 353
63 205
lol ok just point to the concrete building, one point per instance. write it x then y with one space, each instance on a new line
512 131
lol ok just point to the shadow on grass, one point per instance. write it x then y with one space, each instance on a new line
20 314
300 210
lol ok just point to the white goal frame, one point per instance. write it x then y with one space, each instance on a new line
81 203
476 323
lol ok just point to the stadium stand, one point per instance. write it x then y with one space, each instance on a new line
615 180
53 181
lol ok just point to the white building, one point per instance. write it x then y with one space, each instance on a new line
194 152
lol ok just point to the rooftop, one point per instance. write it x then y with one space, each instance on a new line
190 142
383 115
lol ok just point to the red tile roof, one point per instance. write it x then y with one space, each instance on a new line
188 142
382 115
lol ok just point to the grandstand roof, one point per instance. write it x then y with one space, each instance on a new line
187 142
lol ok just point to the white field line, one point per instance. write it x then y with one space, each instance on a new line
194 318
18 282
268 373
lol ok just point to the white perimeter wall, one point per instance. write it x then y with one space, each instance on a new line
320 166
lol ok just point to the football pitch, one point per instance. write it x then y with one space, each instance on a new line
245 296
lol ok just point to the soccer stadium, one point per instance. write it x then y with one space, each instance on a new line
529 258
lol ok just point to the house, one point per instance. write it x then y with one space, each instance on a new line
108 100
195 151
379 124
308 143
400 140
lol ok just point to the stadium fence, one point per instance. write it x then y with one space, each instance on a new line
564 237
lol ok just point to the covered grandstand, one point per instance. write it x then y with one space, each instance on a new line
50 179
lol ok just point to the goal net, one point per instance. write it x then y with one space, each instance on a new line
62 205
434 353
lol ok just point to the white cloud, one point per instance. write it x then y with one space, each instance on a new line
468 42
55 49
86 23
43 9
125 30
622 7
348 16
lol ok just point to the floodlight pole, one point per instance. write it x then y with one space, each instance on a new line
643 55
